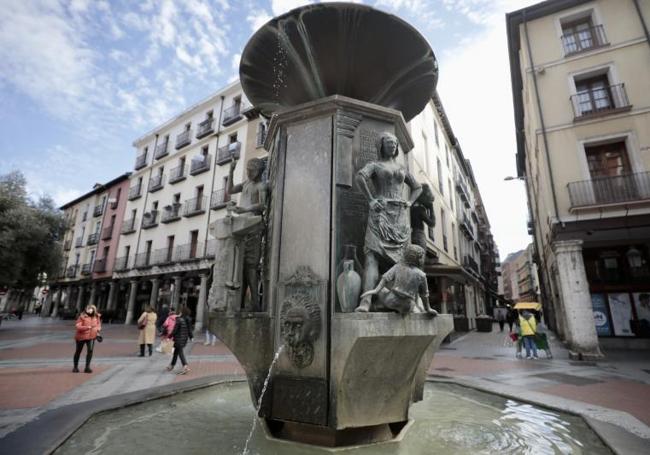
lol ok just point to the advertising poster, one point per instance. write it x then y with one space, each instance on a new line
601 315
621 309
642 305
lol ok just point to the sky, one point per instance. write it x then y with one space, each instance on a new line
81 79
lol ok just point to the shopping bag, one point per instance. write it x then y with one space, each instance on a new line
166 346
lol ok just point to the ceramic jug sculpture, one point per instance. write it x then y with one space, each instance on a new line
348 287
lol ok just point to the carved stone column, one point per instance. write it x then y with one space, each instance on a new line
576 301
201 304
133 292
110 305
176 295
155 285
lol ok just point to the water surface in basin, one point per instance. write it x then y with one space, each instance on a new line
450 420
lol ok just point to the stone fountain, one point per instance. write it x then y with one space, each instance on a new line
315 262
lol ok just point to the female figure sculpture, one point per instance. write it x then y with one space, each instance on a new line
388 230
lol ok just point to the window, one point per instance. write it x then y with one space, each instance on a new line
154 205
208 115
177 198
608 160
441 187
148 251
170 248
127 251
435 130
451 197
425 142
453 240
146 150
194 241
226 194
188 126
443 225
204 152
593 94
232 138
447 154
580 34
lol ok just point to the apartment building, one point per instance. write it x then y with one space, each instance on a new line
581 94
520 277
464 280
89 248
178 188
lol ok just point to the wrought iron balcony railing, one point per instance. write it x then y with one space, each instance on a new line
163 256
135 191
600 101
79 242
232 114
183 139
463 192
143 260
71 271
141 161
93 238
156 183
205 127
162 150
99 209
200 164
177 174
128 226
227 152
121 263
583 40
610 190
193 207
171 213
219 199
100 265
150 219
107 233
470 263
261 137
86 268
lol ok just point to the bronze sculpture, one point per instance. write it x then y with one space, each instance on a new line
388 230
252 201
403 283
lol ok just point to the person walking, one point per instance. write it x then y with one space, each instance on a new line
501 313
182 332
511 317
162 317
88 326
147 326
528 327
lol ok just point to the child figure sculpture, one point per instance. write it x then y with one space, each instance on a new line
400 286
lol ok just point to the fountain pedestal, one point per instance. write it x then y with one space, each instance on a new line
342 378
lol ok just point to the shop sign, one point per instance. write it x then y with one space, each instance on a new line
621 310
601 315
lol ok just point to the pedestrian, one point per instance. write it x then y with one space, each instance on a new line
162 317
511 317
182 332
210 338
88 326
528 327
501 313
147 326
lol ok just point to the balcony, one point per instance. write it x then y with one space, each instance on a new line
260 137
128 226
67 245
86 268
143 260
93 238
162 150
150 219
471 264
163 256
227 152
200 164
121 263
141 161
205 128
79 242
466 226
598 102
183 139
156 183
99 209
613 190
232 114
171 213
584 40
193 207
188 252
463 192
71 271
100 265
135 191
219 199
444 242
177 174
107 233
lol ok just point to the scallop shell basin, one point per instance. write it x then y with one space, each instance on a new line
338 49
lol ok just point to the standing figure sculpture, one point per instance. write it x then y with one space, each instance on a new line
421 215
388 230
252 201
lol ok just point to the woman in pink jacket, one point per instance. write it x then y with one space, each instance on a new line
88 326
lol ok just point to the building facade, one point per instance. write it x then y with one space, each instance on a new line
520 282
179 187
581 95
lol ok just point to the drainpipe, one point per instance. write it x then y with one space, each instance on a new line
643 24
214 174
541 119
146 197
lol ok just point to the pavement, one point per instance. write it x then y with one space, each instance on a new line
36 363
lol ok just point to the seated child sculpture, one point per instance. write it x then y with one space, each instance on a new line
400 286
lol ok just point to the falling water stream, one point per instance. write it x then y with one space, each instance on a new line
259 401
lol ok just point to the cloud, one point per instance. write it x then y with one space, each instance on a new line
258 18
282 6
